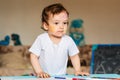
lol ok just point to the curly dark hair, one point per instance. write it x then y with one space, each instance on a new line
52 9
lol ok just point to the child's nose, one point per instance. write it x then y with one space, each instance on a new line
62 26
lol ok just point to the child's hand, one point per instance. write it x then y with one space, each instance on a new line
78 73
42 75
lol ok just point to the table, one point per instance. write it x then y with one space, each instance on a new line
65 77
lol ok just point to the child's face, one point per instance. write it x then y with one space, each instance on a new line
57 24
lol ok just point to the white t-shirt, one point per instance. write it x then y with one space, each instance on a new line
53 57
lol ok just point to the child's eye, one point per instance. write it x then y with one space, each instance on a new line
65 23
56 23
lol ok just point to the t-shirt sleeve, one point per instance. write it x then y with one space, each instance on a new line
73 49
36 47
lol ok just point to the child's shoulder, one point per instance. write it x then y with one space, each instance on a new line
43 34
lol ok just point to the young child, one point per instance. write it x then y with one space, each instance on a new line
49 52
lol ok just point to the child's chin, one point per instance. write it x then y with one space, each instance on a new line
59 36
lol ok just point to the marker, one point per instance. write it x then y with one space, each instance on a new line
77 79
60 78
103 78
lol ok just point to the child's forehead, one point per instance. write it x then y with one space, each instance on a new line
59 16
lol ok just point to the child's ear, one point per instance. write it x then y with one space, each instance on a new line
45 26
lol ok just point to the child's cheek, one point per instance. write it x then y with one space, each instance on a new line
65 30
52 29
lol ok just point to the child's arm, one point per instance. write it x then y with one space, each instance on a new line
38 70
76 64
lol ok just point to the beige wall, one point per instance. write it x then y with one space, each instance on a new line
101 18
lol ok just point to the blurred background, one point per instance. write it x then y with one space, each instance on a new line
101 18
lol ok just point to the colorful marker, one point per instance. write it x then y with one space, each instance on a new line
60 78
77 79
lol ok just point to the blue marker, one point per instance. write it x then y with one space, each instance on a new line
60 78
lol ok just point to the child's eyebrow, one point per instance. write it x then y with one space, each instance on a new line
60 20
